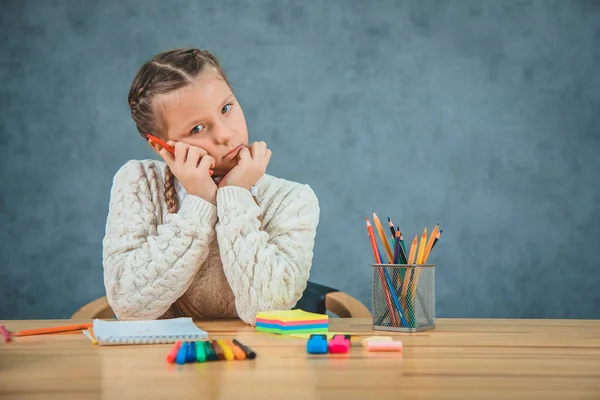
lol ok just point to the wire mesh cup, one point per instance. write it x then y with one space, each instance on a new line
403 297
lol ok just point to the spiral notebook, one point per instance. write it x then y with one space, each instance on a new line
146 332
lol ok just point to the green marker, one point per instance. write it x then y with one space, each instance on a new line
200 352
210 352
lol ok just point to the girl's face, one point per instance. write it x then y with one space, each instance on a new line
205 114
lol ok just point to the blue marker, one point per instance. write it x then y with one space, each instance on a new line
191 353
182 354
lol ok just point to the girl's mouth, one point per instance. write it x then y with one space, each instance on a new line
233 153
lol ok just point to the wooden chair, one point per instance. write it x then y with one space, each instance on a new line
316 298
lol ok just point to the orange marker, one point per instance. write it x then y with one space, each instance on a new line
237 352
168 147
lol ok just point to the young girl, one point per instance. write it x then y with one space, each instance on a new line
180 242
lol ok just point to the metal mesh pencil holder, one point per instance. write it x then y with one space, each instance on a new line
403 297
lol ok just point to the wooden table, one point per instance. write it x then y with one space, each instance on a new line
460 359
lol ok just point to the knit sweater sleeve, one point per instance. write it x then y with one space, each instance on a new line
149 263
266 269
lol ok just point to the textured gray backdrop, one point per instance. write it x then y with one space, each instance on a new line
480 115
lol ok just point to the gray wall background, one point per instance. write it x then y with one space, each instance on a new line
480 115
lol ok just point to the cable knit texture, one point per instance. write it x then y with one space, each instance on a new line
233 260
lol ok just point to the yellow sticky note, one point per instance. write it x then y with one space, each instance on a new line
291 315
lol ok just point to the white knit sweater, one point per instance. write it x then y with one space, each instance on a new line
223 260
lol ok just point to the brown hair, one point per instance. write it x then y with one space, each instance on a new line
166 72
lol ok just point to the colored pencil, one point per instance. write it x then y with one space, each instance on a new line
397 248
402 250
55 329
394 230
437 238
381 275
383 238
411 260
430 243
420 261
92 336
422 245
413 250
391 225
402 244
395 298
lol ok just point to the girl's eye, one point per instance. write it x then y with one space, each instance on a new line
226 108
197 129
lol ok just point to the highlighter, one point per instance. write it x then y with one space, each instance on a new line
172 355
339 344
226 350
169 148
316 344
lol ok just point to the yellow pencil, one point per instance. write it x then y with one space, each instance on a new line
383 238
91 332
411 260
430 243
413 250
421 252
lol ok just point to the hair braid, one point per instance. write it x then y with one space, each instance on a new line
171 197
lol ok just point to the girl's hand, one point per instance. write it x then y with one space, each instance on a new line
251 166
190 166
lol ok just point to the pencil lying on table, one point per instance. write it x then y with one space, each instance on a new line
54 329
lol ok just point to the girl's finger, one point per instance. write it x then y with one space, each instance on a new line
194 155
268 155
244 153
207 162
181 150
168 157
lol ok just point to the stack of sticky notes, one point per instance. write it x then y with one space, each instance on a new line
287 322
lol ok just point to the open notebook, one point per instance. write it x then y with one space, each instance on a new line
145 332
